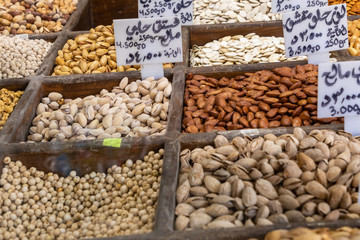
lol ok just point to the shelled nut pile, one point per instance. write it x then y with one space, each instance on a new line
269 180
232 11
344 233
352 6
93 52
21 57
38 205
29 16
281 97
8 101
354 37
239 49
135 109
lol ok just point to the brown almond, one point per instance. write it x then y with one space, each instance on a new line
283 110
192 129
296 122
264 106
263 122
272 112
286 94
312 100
304 115
260 114
244 122
273 124
286 121
274 93
254 123
254 109
271 100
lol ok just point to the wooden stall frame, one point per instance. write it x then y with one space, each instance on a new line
17 126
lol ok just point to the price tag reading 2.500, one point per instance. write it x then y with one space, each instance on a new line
293 5
183 9
148 41
312 30
339 89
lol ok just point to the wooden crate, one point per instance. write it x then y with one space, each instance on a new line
98 157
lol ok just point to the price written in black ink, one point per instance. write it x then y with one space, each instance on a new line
303 50
139 57
281 7
344 110
308 31
140 34
148 40
293 5
339 89
311 19
316 3
161 8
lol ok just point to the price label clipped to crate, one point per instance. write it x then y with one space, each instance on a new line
293 5
315 32
112 142
339 93
183 9
148 42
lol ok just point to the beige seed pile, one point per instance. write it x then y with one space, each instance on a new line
38 205
232 11
239 49
21 57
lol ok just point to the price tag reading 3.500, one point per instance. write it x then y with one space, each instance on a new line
293 5
183 9
313 30
148 41
339 89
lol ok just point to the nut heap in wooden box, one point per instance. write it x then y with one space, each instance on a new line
256 173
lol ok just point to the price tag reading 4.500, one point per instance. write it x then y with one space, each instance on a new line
148 40
183 9
313 30
339 89
293 5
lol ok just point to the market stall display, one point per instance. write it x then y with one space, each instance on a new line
228 138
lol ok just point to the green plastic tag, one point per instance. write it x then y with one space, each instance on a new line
112 142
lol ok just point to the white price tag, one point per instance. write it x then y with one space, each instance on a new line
183 9
312 30
22 36
351 125
293 5
339 89
148 41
